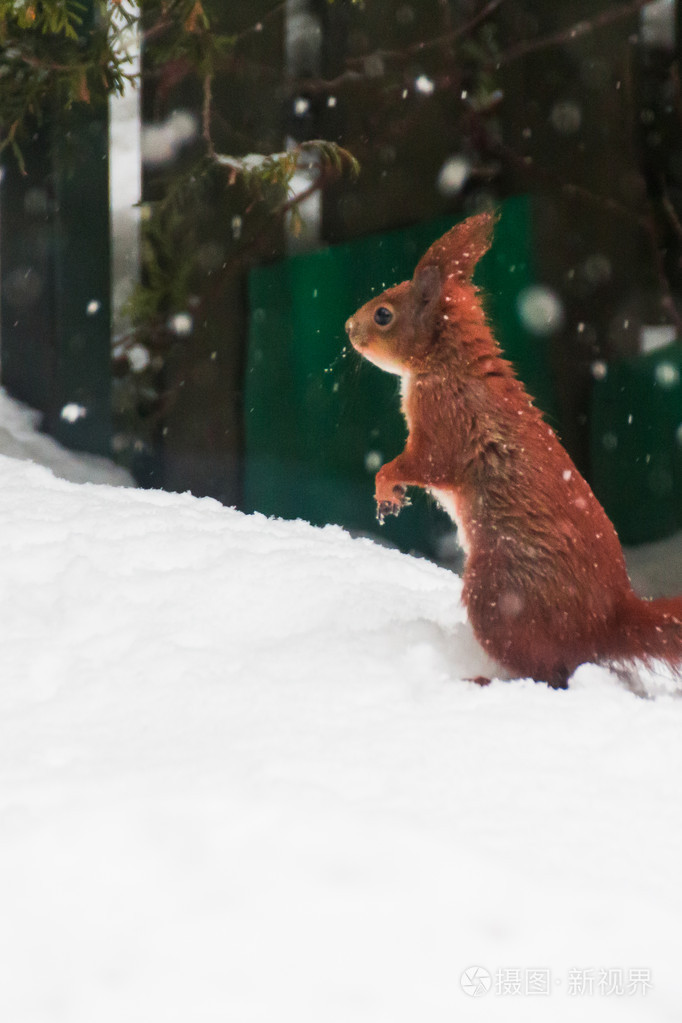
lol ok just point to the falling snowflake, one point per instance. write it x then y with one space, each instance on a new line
72 412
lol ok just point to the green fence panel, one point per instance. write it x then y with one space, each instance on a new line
636 444
319 419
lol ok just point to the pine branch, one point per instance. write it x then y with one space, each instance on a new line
578 30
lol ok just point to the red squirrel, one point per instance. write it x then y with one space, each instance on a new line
545 584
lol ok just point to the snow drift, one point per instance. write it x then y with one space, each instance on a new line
242 778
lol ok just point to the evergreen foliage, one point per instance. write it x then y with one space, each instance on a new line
55 53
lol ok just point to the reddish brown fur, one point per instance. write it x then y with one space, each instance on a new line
545 583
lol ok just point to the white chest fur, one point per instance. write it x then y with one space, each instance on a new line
447 499
405 390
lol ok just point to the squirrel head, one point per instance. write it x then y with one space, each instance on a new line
398 329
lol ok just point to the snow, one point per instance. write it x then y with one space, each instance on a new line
242 778
20 438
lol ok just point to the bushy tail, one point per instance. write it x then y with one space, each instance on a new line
648 630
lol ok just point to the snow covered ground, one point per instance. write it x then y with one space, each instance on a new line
242 778
20 437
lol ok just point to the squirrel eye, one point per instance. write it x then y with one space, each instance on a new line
383 316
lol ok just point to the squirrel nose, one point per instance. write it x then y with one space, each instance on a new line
349 326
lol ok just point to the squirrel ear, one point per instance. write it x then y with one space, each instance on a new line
426 286
426 283
460 248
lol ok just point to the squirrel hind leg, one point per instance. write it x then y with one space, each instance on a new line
558 681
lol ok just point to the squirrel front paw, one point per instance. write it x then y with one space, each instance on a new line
391 505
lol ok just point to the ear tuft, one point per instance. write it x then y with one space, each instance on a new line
460 248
